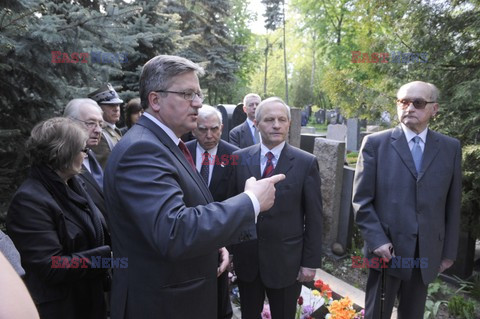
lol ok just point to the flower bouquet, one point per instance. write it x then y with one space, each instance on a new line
318 303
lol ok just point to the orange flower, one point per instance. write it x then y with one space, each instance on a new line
342 309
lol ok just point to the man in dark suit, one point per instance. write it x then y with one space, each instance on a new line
406 198
161 212
109 101
246 134
288 249
89 114
213 159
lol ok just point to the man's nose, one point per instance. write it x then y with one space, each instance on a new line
410 107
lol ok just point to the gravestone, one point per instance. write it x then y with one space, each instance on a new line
227 111
308 129
239 116
345 219
295 127
337 132
320 117
307 141
373 128
330 157
353 134
331 117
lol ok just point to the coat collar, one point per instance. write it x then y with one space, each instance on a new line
167 142
400 144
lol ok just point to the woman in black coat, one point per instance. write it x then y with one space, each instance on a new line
57 228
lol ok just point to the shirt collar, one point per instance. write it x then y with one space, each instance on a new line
409 134
250 123
201 150
167 130
113 126
277 150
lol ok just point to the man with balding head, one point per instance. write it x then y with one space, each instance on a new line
406 199
214 161
246 134
89 115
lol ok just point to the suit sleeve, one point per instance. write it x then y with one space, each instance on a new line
364 196
34 229
312 202
452 211
153 195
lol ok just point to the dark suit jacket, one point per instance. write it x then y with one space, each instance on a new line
394 204
241 136
161 219
95 192
221 173
290 233
41 229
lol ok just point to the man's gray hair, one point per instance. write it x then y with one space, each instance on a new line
158 72
207 110
72 110
258 111
249 96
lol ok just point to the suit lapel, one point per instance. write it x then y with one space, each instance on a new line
247 134
218 170
167 141
400 145
253 162
432 147
285 163
88 178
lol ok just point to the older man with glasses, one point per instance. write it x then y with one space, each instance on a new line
89 115
406 199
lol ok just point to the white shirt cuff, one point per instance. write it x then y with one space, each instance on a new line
255 203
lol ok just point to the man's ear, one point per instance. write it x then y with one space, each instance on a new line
255 122
154 100
435 109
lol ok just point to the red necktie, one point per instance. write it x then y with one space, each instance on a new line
269 167
187 154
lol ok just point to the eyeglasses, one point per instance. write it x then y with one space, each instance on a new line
187 95
92 124
85 150
204 130
419 104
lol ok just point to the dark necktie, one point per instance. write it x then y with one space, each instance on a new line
269 167
205 169
417 153
95 169
187 154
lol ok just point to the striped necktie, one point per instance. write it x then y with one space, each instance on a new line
205 169
267 172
